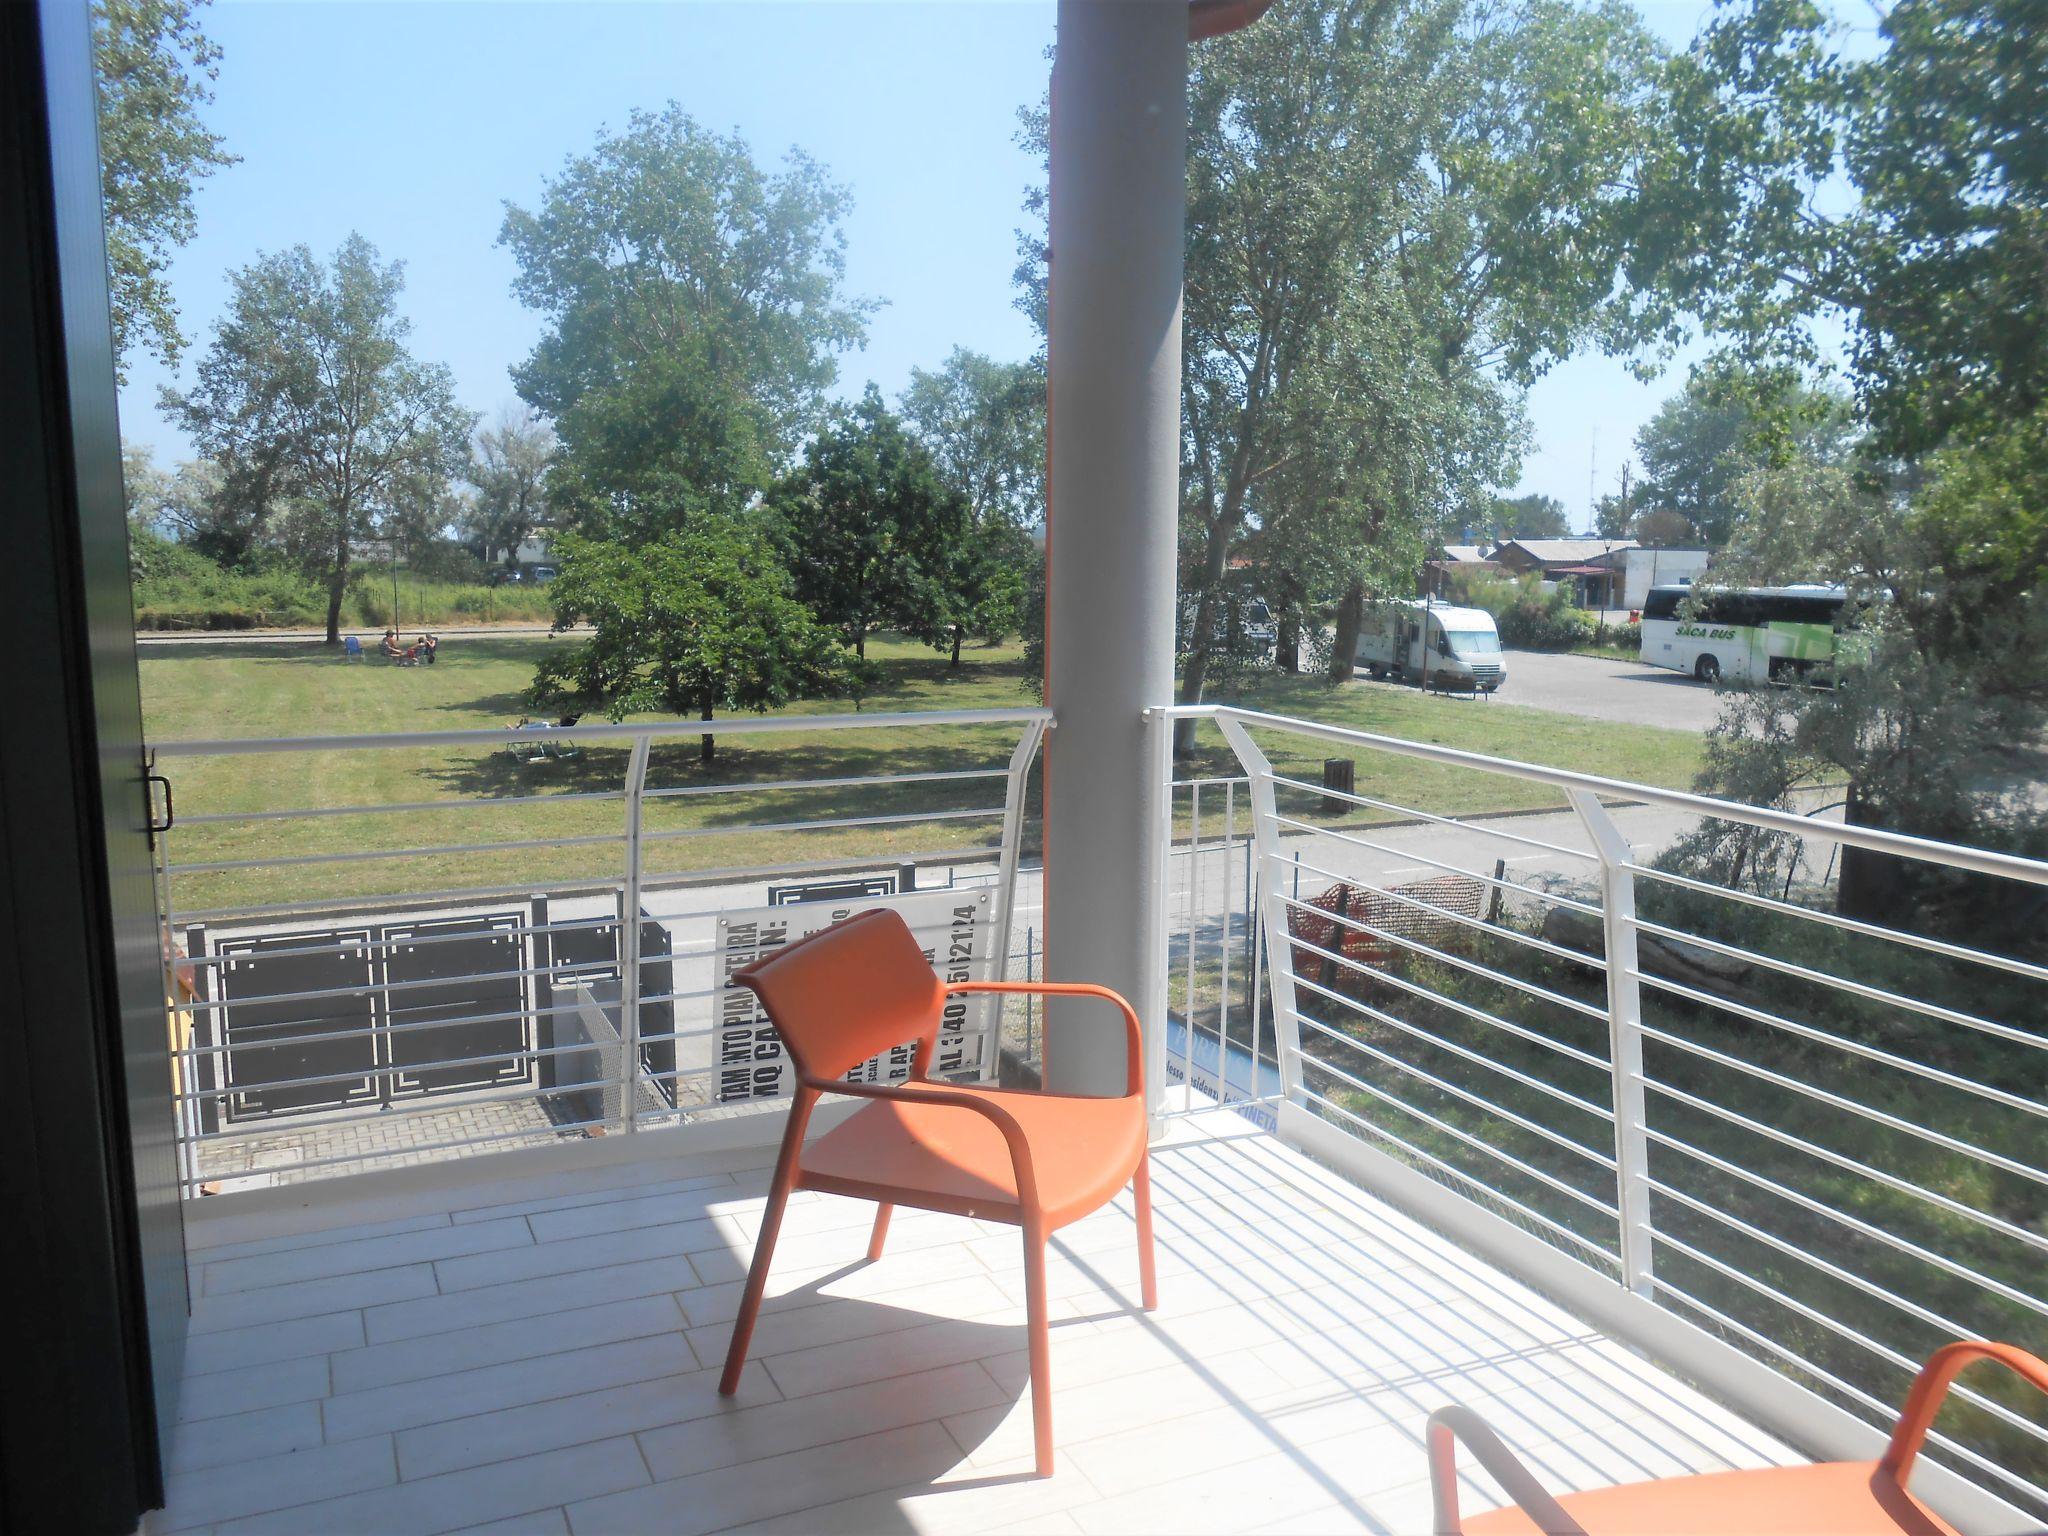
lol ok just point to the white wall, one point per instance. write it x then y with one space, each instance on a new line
1647 568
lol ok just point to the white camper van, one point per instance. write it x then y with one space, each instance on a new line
1433 645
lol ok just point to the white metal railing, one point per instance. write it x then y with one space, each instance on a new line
1832 1172
432 1004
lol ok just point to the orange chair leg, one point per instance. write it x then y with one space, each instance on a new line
1141 1194
1041 1346
881 1233
764 1244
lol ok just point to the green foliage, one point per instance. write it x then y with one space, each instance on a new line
1528 618
155 69
508 469
695 621
694 309
984 422
874 535
324 428
1398 214
1534 516
1705 439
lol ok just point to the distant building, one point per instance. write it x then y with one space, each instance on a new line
1643 569
1461 559
1592 566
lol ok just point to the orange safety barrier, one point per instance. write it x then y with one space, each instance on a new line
1038 1160
1832 1498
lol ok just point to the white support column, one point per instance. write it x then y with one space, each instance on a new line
1118 187
1624 1037
1273 908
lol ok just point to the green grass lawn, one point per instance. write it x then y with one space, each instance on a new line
250 689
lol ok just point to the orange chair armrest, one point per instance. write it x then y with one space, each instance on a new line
1931 1386
1013 1133
1134 1037
1447 1426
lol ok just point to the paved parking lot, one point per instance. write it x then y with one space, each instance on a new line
1626 692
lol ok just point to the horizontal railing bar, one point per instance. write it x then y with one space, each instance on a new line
1445 821
367 987
308 813
1978 860
1456 1005
1477 1143
1479 1101
358 1032
1847 924
1457 962
1213 779
1424 859
1528 1212
1853 988
1843 1331
389 1069
1479 1058
568 888
410 1108
1843 1043
525 930
1836 1272
1843 1160
1492 930
300 860
373 1155
776 786
1847 1105
658 879
668 834
723 725
1886 1412
1853 1223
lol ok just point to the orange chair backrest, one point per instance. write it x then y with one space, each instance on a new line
840 996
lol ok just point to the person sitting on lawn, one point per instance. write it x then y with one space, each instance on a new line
393 649
423 649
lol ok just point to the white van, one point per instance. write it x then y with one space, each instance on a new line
1431 644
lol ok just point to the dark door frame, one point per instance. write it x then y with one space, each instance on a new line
88 1178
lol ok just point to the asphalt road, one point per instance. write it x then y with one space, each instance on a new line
1625 692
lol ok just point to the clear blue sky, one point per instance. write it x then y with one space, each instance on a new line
415 123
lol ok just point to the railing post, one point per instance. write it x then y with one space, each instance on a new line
629 941
1272 904
1016 781
1154 966
1624 1037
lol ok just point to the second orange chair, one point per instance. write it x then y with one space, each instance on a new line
1038 1160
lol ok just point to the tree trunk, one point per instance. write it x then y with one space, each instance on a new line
337 588
704 752
958 631
1344 648
860 641
1287 646
1196 673
1871 886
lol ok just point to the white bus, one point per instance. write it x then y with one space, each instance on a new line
1743 634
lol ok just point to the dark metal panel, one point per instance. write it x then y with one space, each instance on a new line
87 1154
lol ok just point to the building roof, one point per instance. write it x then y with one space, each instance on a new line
1565 551
1472 554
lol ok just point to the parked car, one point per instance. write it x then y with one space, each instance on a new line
539 575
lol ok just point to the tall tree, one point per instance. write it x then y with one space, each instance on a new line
873 534
1534 516
984 424
1398 212
1719 428
156 70
693 621
308 400
509 470
695 308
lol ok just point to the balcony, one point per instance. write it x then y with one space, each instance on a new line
1617 1179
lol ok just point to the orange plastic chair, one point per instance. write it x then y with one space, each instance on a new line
1831 1498
1040 1160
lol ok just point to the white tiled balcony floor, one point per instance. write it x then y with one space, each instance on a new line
540 1354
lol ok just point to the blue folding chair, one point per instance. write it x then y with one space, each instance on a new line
352 649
